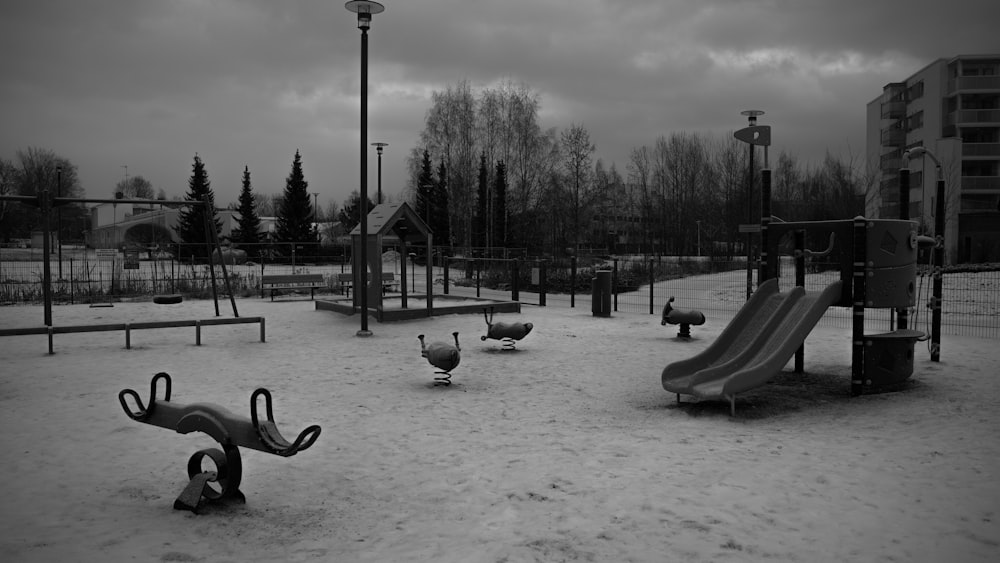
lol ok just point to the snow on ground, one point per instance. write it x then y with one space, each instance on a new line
567 449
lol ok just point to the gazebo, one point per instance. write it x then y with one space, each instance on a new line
395 224
398 224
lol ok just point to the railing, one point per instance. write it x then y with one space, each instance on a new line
973 83
893 137
973 183
981 149
893 109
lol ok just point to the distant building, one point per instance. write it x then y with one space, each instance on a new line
952 108
114 225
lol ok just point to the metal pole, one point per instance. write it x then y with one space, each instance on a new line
46 251
749 221
939 221
363 258
59 218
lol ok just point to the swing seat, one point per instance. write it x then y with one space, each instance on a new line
168 299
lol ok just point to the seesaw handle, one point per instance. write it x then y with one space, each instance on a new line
143 412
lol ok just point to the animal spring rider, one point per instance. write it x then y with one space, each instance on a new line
443 356
229 430
507 332
683 318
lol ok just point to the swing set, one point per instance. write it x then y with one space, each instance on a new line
46 203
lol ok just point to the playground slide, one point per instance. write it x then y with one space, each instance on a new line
756 344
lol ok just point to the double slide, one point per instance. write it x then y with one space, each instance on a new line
756 344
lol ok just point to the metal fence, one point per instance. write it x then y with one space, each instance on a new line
970 300
718 288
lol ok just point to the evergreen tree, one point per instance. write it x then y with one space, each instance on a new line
425 185
350 213
294 222
440 225
192 218
500 206
248 231
481 228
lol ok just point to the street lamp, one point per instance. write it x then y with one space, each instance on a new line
365 10
378 148
59 217
752 121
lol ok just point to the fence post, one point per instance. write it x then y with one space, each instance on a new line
614 282
444 260
572 281
541 283
652 280
515 294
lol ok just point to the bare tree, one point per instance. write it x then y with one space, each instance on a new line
135 187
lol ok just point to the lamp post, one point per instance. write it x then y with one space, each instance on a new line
378 149
59 217
365 10
752 119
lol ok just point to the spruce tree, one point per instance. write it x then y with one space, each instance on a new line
481 229
248 231
350 213
500 206
191 219
294 222
425 185
439 208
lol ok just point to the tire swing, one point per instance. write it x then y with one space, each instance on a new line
168 299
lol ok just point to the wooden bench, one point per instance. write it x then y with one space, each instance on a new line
292 281
389 282
346 282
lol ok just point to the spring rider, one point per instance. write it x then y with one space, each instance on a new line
443 356
229 430
683 318
507 333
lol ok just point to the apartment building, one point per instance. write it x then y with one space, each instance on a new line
951 107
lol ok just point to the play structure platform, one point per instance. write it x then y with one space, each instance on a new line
756 344
877 267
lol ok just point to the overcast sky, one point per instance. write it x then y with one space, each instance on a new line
148 83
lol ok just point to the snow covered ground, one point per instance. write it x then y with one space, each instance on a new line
567 449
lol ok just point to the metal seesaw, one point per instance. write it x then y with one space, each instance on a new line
230 430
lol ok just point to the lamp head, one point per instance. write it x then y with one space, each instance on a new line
365 9
752 115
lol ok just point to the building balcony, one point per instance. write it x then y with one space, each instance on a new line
986 150
973 117
890 184
893 137
894 109
967 83
989 184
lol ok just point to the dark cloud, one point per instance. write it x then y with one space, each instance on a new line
148 83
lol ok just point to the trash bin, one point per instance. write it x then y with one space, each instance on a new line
601 287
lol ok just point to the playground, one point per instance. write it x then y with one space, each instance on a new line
565 449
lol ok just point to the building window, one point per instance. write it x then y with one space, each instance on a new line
916 91
915 121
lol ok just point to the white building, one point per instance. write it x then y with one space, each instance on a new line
951 107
